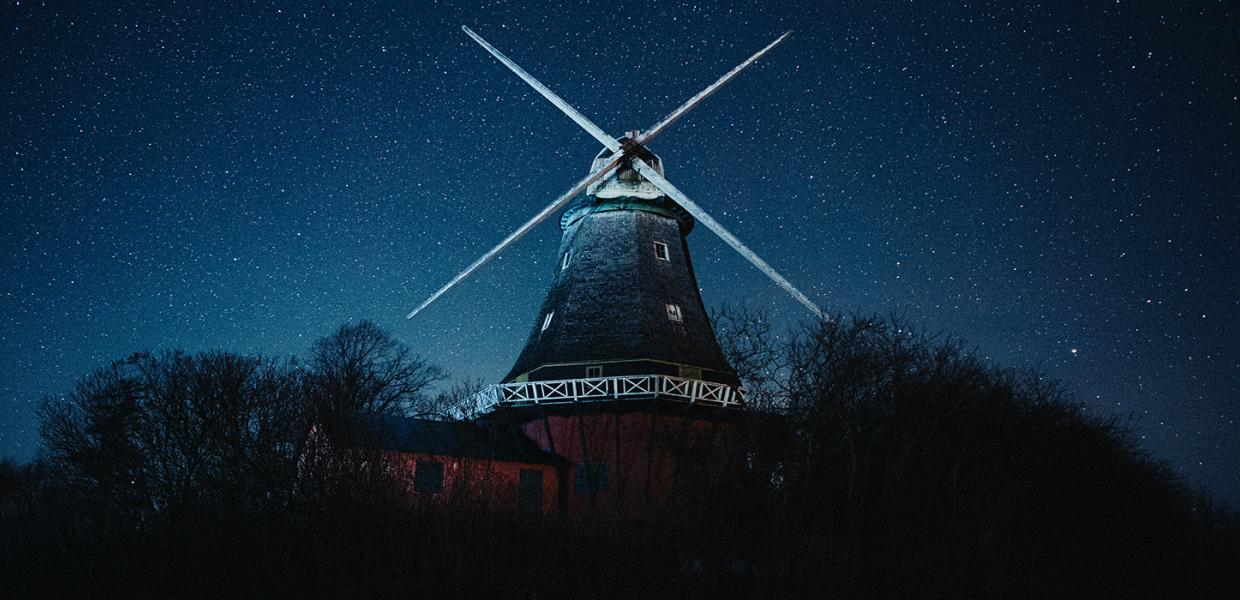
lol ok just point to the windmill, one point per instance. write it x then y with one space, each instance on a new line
623 332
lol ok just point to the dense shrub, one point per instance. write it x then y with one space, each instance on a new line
912 468
878 462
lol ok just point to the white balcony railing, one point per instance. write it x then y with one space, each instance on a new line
561 391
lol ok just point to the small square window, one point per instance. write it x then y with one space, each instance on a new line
547 321
428 477
594 371
673 312
660 251
568 257
591 478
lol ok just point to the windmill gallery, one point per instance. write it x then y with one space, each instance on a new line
621 401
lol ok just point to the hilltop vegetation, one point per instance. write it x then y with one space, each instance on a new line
880 463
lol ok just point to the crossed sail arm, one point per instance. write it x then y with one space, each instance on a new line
596 131
640 165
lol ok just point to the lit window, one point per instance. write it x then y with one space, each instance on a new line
568 257
673 312
594 371
547 320
660 251
428 477
591 478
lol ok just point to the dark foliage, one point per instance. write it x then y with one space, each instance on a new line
362 368
884 463
915 469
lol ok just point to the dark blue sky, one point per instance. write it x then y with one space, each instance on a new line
1055 184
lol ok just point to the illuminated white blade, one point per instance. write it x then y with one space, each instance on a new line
667 121
524 229
653 177
559 102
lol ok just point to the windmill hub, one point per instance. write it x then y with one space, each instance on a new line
626 182
629 144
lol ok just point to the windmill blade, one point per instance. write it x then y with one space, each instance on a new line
546 92
524 229
675 115
654 177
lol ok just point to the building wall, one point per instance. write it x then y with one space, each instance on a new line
652 460
485 484
610 303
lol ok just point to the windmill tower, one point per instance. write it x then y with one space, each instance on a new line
621 374
624 300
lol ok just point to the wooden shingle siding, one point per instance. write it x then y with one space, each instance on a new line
612 304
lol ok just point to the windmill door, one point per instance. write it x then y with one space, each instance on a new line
531 493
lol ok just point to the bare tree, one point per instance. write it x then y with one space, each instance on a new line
362 369
461 402
162 434
757 352
91 436
221 429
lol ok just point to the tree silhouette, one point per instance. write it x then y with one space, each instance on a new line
876 461
169 433
909 465
361 368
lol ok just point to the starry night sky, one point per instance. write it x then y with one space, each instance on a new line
1056 184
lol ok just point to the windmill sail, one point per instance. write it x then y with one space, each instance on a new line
704 218
546 92
632 155
675 115
647 171
521 231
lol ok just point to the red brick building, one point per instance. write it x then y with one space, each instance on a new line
561 462
464 464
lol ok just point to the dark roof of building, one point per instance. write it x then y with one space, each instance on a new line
450 438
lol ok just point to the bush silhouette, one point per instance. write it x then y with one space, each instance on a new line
878 462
